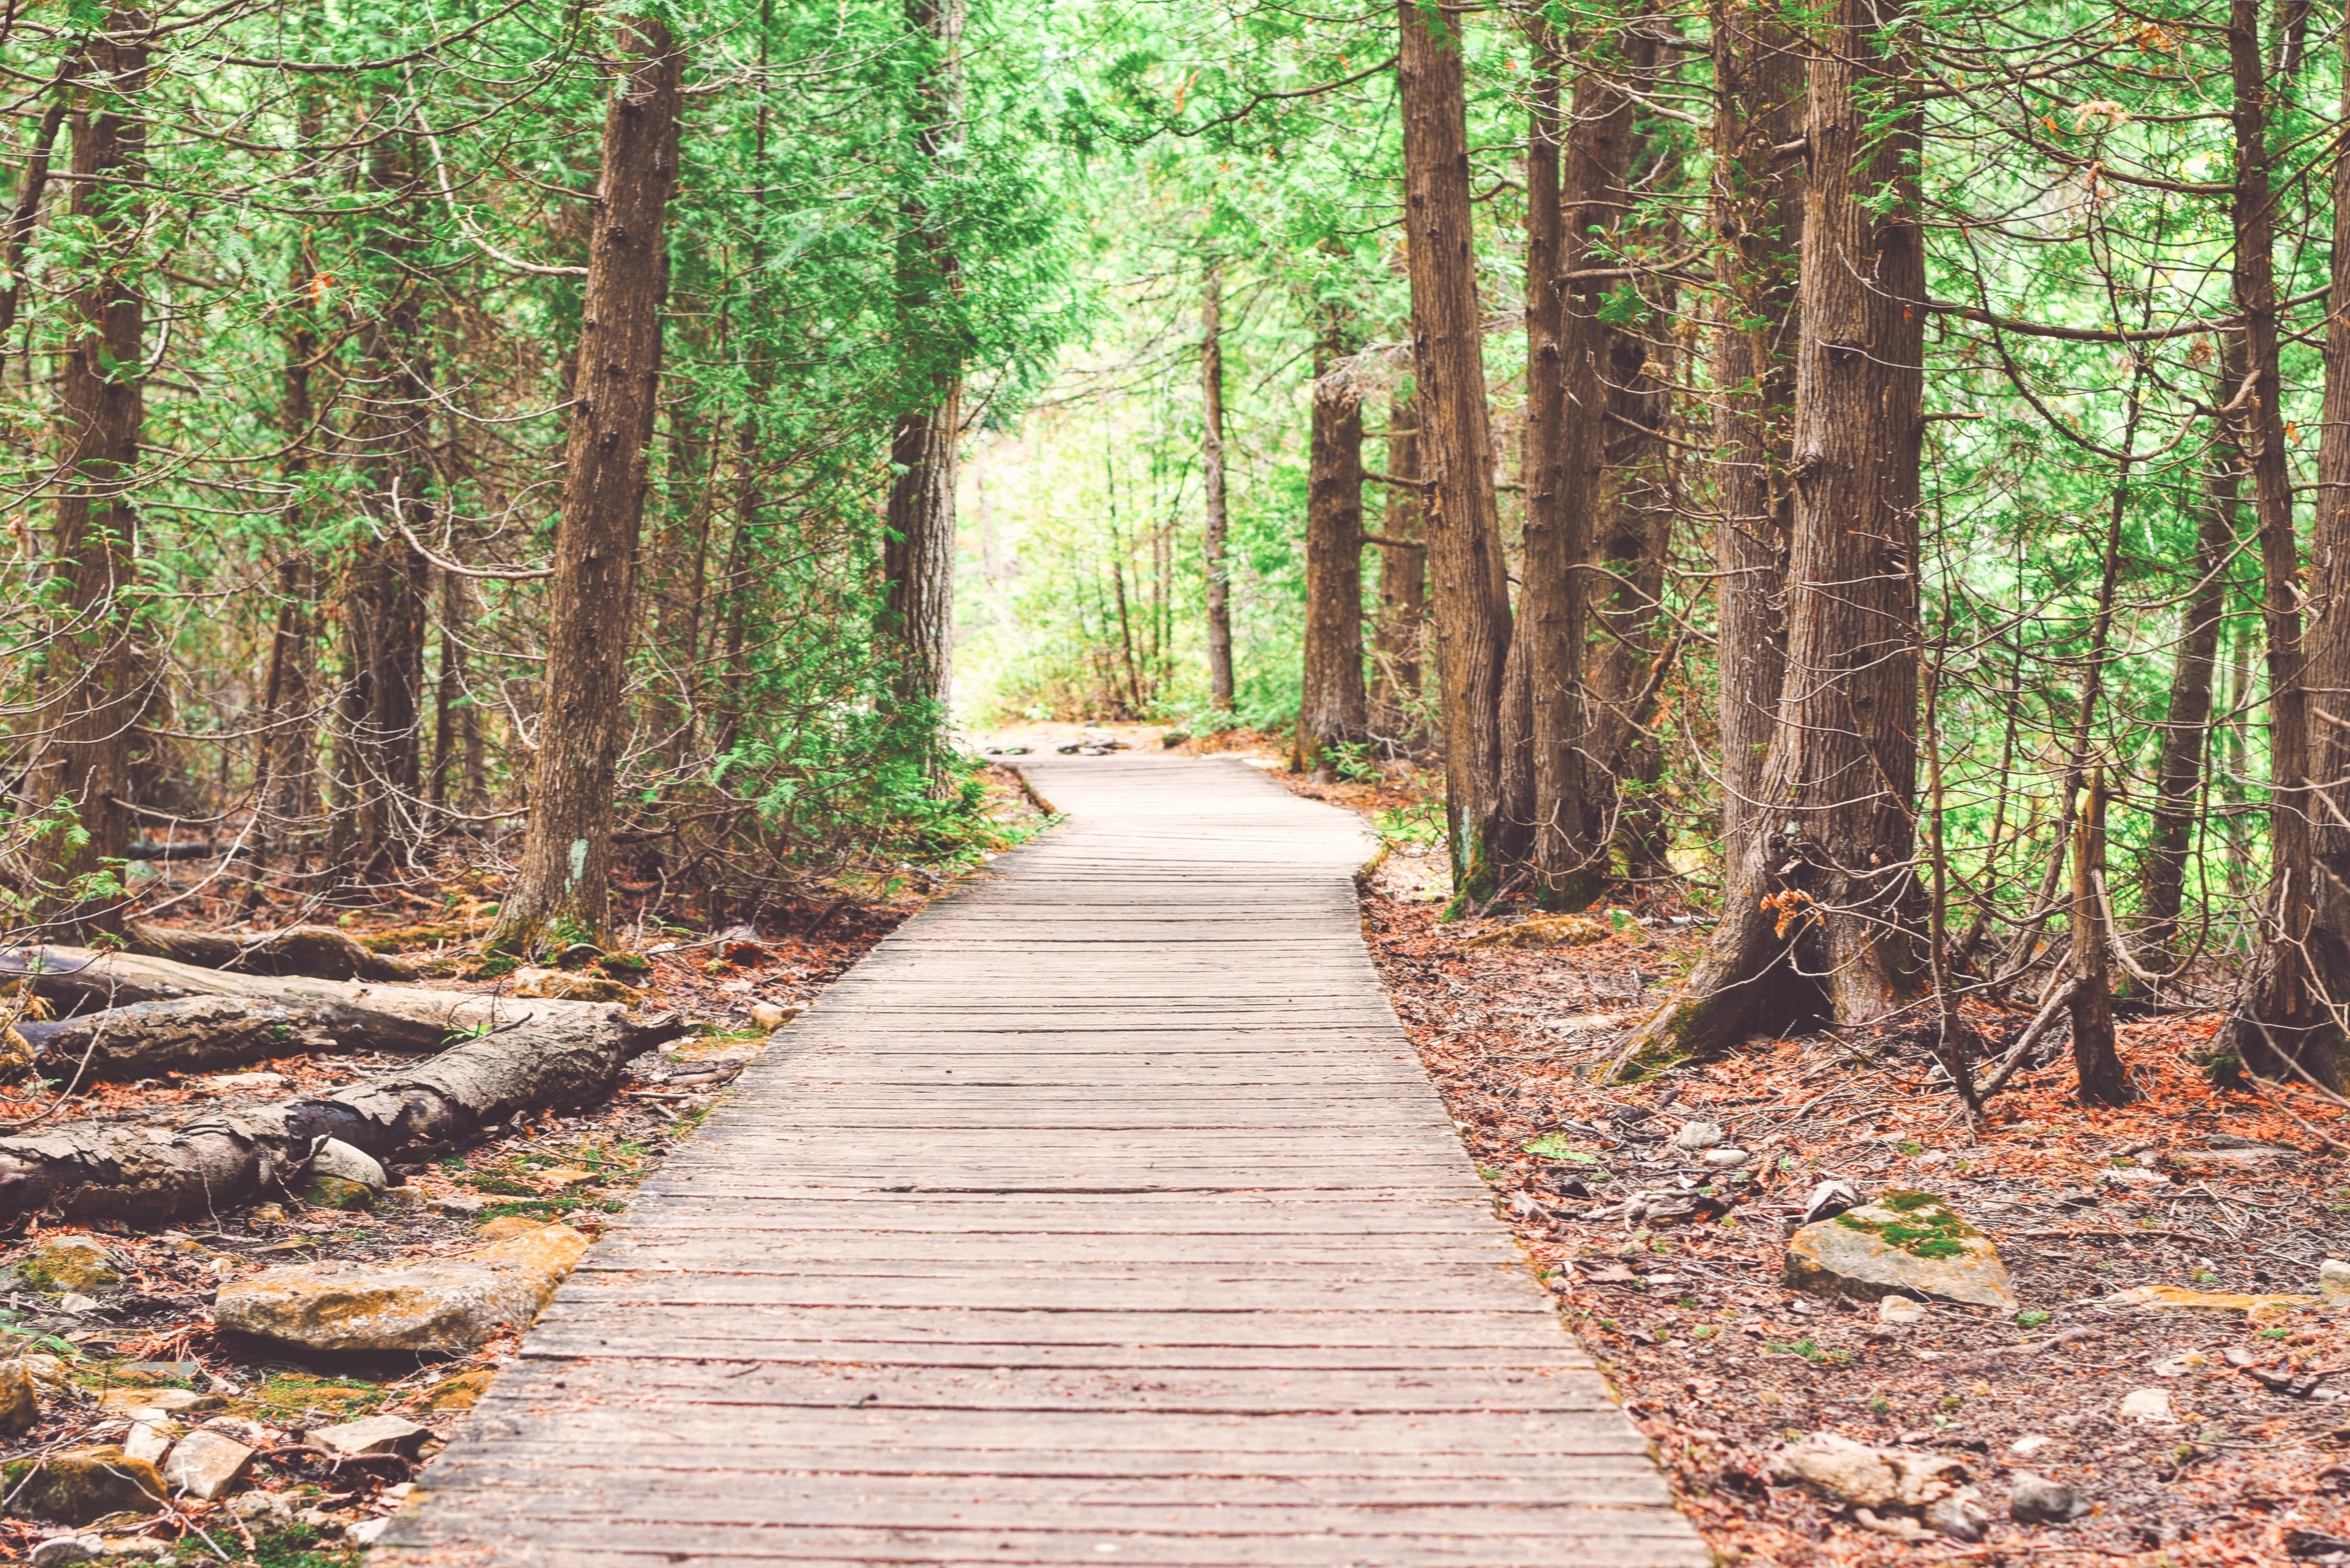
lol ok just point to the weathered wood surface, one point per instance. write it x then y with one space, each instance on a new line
1102 1215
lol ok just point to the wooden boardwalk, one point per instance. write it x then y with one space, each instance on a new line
1102 1215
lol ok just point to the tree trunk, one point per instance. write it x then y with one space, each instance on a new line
1758 214
1455 446
1334 710
1544 681
94 677
17 237
562 888
2100 1080
2280 1020
918 559
1832 875
1403 580
379 764
1212 461
2327 677
2187 723
521 1055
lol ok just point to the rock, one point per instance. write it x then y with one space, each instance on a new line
768 1016
2036 1499
66 1264
1547 931
1958 1518
2145 1404
2030 1443
375 1435
365 1531
462 1392
430 1304
158 1371
334 1192
1900 1311
170 1401
20 1397
2178 1298
80 1486
1724 1159
73 1303
1695 1136
338 1159
1868 1477
59 1548
268 1507
2334 1280
267 1214
17 1053
152 1433
463 1205
2180 1366
1904 1244
554 985
205 1464
1830 1199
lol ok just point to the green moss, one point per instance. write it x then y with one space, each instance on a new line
1928 1227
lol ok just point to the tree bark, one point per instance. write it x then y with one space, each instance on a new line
919 558
1455 446
379 751
320 951
95 690
2279 1020
1333 708
2099 1078
1758 216
563 885
2327 677
1403 579
2187 722
522 1055
1544 713
1211 463
1826 890
16 238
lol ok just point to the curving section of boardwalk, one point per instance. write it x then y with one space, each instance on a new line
1102 1215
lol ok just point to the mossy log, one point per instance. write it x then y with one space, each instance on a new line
320 951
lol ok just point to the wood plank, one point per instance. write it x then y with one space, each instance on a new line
1104 1215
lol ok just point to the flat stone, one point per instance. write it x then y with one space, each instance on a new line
433 1305
2030 1443
62 1549
1723 1158
80 1486
2145 1404
70 1263
1695 1136
1869 1477
462 1205
203 1464
375 1435
158 1371
2334 1280
74 1302
1900 1311
152 1433
170 1401
1902 1243
20 1397
2178 1298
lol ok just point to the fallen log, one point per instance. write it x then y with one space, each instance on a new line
148 1039
524 1055
83 980
320 951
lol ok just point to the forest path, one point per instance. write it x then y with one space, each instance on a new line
1104 1214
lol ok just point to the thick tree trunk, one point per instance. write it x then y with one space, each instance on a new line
1544 716
2327 678
1455 445
1333 708
1211 463
1758 215
918 561
94 679
2280 1019
2187 723
521 1055
1403 580
1831 885
562 888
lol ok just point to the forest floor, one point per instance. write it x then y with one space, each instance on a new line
1723 1365
111 1351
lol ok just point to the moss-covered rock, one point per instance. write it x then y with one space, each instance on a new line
1902 1243
82 1486
70 1263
